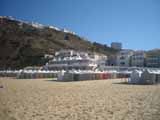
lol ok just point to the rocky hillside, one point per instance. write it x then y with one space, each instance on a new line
24 44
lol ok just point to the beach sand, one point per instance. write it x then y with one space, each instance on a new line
43 99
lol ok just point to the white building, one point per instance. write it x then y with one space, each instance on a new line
138 59
116 45
123 58
112 60
68 31
73 60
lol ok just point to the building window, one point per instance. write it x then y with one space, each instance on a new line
66 37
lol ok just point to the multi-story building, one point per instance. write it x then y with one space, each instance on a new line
138 59
153 61
99 59
116 45
74 60
112 60
123 58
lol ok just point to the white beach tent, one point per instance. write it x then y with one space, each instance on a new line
150 77
61 75
135 77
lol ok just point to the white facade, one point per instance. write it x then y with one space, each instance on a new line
73 60
100 59
138 58
123 58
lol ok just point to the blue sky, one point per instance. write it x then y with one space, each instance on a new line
135 23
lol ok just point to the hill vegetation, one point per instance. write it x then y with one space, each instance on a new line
23 44
154 52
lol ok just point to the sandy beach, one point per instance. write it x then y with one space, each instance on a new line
43 99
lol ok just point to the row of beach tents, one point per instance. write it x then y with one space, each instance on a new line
29 74
63 75
80 76
147 76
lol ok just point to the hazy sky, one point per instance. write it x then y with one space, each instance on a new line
135 23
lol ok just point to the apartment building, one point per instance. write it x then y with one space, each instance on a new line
138 59
153 61
116 45
124 58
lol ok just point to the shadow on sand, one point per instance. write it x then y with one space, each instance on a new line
68 81
126 83
56 81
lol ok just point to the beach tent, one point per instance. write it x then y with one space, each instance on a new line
135 77
61 75
65 76
150 77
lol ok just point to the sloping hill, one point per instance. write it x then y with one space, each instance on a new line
24 44
154 52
